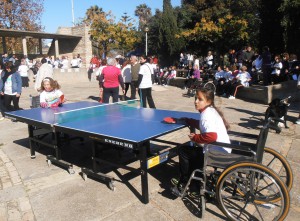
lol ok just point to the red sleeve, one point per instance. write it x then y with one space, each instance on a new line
209 137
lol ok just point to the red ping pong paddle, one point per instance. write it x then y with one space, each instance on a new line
62 99
170 120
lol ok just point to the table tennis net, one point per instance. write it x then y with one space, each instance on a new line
94 111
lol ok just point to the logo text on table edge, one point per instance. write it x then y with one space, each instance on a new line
114 142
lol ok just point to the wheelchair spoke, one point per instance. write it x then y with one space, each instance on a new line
243 210
271 161
252 192
278 163
260 215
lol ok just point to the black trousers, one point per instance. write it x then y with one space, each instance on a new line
25 81
126 87
266 75
146 96
2 105
113 91
133 87
90 72
190 158
7 101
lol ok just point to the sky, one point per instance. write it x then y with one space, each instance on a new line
58 13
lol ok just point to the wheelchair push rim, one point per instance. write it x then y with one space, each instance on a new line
278 163
246 190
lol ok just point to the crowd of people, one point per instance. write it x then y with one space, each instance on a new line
134 73
240 69
263 66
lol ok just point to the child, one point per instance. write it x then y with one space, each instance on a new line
51 95
213 127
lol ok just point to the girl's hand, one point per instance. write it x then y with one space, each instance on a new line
44 104
191 136
18 95
2 93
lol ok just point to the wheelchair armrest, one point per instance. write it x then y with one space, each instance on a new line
236 146
244 135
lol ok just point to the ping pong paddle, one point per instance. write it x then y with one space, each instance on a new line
62 97
170 120
61 100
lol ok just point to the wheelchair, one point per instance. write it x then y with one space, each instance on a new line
203 82
241 182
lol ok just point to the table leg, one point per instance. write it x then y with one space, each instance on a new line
144 172
56 142
31 145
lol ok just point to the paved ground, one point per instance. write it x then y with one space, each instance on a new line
30 190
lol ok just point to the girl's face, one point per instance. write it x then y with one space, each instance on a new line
47 86
201 102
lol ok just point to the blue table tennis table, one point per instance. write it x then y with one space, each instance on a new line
123 124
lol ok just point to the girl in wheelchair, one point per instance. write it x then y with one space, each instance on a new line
213 127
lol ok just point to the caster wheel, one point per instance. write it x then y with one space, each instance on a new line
49 163
202 206
111 186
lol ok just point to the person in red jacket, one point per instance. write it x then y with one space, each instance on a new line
109 81
213 127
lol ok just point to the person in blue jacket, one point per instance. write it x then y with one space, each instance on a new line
10 86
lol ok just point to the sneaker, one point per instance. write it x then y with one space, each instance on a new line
2 118
231 97
176 182
177 192
298 121
194 195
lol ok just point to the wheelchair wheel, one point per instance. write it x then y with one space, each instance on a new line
246 191
210 86
278 163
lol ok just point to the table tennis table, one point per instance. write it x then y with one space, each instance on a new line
123 124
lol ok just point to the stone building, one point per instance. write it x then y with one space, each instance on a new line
68 41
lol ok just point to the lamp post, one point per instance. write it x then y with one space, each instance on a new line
146 31
73 19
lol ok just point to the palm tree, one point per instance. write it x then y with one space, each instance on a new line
143 12
92 12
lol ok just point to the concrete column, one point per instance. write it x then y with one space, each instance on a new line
56 48
4 45
24 43
40 46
